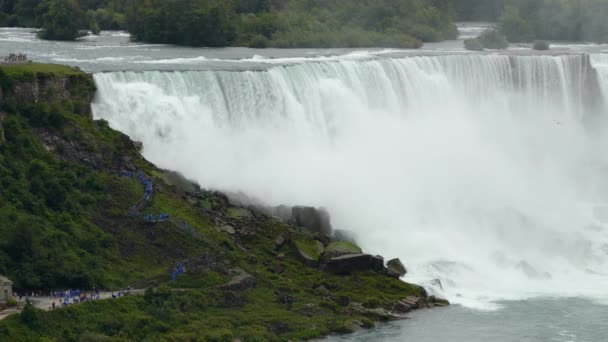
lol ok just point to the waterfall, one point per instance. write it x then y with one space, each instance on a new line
487 172
600 62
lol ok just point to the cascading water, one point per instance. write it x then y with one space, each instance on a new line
600 62
487 172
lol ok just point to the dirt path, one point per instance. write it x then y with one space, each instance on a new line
46 303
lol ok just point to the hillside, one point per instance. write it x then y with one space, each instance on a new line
81 208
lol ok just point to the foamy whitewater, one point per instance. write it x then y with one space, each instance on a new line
487 172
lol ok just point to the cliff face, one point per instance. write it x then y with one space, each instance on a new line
51 88
24 85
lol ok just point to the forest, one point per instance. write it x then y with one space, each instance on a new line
254 23
308 23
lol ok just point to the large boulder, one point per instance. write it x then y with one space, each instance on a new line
395 268
315 220
309 251
349 263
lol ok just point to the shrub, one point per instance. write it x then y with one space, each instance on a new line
258 42
541 45
473 44
514 27
493 39
11 303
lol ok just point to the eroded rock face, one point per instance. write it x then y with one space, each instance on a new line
316 220
395 268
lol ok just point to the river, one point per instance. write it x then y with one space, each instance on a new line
485 171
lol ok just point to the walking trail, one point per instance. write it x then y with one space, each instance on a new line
46 303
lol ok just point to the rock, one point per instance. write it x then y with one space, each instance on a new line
378 263
378 314
403 307
322 290
349 263
435 301
228 229
315 220
395 268
239 213
336 249
283 212
240 281
309 251
414 301
279 241
307 259
344 235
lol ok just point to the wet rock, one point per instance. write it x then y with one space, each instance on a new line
395 268
403 307
436 301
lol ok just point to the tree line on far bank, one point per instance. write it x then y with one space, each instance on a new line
531 20
308 23
254 23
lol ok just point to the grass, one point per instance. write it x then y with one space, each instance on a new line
31 67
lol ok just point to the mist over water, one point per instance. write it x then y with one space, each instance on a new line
487 172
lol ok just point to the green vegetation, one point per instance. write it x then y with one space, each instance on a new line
527 20
490 39
65 224
473 44
255 23
541 45
342 247
59 19
293 23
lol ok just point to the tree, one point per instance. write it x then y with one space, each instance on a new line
514 27
59 19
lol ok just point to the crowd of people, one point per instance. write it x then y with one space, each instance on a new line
14 58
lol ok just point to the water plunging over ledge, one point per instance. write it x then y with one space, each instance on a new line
483 171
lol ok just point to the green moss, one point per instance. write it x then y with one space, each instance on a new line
343 247
312 248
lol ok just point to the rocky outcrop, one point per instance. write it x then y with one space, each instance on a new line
240 281
316 220
409 303
313 219
395 268
349 263
50 87
336 249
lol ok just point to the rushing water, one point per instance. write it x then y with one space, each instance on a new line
485 171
